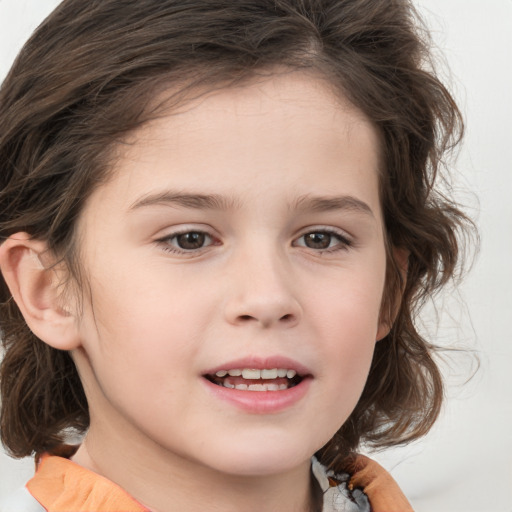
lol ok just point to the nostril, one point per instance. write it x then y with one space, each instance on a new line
266 318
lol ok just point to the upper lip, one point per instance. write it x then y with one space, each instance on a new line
261 363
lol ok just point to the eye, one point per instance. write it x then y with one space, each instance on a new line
323 240
191 240
186 241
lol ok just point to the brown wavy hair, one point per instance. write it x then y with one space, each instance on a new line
89 75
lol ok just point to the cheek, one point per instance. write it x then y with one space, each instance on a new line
143 324
347 315
350 306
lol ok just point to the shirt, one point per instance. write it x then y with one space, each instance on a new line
61 485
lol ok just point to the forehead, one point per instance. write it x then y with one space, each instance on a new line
292 124
302 100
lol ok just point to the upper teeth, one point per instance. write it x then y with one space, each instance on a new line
253 373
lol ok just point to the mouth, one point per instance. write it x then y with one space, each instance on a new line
253 379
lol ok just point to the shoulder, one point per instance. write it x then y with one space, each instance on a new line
21 501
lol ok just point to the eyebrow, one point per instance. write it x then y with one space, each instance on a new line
186 200
220 202
330 203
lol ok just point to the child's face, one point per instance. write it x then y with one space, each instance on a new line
243 233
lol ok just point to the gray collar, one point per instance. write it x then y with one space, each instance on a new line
336 495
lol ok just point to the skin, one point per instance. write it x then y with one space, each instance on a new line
155 317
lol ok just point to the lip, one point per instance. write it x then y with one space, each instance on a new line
260 363
261 402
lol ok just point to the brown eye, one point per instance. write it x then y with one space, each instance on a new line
191 240
191 243
318 240
323 240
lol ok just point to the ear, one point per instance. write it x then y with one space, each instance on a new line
401 262
33 282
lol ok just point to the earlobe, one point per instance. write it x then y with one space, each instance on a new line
34 286
401 257
382 331
389 313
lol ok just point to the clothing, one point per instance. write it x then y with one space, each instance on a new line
60 485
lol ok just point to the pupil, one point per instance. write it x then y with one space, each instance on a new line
191 240
318 240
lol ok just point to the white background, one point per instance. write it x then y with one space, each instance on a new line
465 464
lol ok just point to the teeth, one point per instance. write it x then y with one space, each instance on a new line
263 387
269 374
255 374
251 374
257 387
267 386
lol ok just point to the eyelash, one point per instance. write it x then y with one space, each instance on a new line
166 242
343 242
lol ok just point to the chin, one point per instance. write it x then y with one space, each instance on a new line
263 459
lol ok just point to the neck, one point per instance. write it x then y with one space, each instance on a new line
163 481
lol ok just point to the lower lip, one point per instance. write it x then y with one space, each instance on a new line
261 402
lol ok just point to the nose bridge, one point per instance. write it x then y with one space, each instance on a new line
262 287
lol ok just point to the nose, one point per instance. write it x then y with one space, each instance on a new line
262 292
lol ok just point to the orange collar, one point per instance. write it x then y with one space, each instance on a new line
60 485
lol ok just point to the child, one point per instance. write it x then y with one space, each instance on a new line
219 220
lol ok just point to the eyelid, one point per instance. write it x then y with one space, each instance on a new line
164 240
345 240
